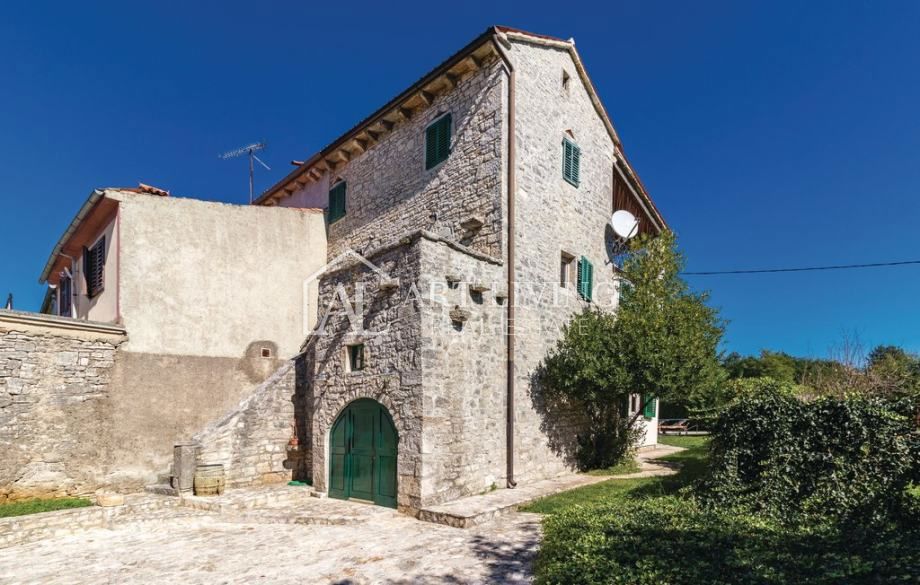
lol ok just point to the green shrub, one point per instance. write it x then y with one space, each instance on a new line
672 540
849 460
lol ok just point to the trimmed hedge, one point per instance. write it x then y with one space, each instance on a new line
672 540
840 460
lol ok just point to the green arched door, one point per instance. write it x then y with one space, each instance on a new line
362 454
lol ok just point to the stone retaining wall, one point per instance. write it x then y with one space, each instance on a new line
54 385
252 441
32 527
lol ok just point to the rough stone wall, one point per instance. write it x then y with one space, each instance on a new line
54 391
389 191
252 441
390 330
553 217
463 373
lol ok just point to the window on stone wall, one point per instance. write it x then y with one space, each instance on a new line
355 357
437 141
566 82
571 161
94 268
337 202
566 269
585 285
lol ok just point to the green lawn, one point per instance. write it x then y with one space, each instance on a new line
649 531
35 506
692 461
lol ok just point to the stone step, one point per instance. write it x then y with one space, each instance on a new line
161 489
475 510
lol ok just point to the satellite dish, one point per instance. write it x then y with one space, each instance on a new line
622 227
624 224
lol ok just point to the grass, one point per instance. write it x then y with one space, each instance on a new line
37 506
692 462
622 468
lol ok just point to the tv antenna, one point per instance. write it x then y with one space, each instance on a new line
251 151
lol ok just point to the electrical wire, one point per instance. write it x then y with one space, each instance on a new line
802 269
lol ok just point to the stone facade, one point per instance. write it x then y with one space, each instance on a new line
54 391
389 191
252 441
440 368
463 372
390 330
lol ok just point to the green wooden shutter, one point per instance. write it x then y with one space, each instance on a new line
571 161
589 287
585 285
337 202
437 141
649 410
576 165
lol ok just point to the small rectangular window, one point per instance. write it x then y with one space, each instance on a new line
65 290
585 284
566 263
571 161
94 268
437 141
337 202
635 402
356 357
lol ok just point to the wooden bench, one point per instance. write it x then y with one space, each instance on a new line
678 425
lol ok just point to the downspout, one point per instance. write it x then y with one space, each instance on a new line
118 266
499 39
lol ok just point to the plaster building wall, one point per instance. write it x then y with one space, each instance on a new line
389 191
208 279
104 306
314 194
78 413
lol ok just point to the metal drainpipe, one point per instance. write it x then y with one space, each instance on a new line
509 424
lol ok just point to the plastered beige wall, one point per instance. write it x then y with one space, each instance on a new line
215 280
104 306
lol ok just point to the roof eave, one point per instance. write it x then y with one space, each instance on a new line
87 206
450 62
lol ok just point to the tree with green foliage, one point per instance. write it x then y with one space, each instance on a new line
892 371
662 343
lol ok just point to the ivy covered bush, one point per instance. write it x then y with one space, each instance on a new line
840 460
673 540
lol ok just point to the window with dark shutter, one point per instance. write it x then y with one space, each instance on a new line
585 285
94 268
66 296
437 141
337 202
571 161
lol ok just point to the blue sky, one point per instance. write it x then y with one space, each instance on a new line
769 133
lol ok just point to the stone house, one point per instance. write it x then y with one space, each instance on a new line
162 314
478 201
421 267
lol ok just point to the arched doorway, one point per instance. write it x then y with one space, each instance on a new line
362 454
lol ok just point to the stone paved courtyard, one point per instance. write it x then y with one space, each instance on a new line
371 545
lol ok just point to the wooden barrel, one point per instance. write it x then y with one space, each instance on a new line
209 480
